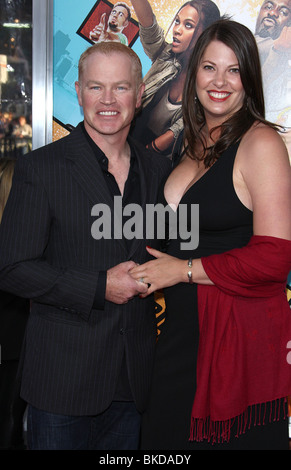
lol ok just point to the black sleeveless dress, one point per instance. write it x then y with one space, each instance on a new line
224 223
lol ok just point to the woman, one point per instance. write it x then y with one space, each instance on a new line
161 118
13 317
228 294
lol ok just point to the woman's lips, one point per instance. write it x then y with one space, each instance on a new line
218 95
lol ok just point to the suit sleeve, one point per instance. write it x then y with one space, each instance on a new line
24 235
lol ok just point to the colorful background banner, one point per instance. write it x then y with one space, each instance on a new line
73 21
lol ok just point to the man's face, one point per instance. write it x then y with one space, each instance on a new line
118 18
272 18
109 94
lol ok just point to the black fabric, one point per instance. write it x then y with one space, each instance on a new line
14 313
225 223
73 352
131 195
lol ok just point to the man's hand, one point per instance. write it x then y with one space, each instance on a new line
98 32
121 287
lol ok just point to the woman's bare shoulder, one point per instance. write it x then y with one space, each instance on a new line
262 144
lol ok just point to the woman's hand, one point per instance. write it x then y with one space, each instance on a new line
164 271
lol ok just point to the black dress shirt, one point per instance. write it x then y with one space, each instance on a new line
131 194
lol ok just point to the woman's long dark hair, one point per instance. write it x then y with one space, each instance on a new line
240 39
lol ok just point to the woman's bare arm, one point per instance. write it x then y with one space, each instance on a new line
265 169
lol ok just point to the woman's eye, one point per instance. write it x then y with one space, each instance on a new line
189 26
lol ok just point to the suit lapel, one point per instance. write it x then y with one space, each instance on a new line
149 184
86 171
88 174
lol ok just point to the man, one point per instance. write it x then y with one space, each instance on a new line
272 18
90 337
273 35
117 21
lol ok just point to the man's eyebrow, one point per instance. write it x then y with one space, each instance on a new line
99 82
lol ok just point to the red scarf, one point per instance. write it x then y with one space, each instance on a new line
245 325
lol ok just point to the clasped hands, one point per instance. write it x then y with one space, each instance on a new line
129 279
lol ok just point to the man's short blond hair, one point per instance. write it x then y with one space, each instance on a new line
108 48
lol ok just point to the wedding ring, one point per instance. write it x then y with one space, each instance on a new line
141 279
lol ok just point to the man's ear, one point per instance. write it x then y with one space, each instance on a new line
140 92
78 90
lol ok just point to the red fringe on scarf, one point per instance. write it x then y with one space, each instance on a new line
222 431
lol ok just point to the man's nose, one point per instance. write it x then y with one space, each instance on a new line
107 96
274 11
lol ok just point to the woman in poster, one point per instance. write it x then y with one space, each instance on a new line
160 120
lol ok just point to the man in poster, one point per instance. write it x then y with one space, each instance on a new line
117 21
273 34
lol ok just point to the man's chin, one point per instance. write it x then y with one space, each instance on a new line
113 27
266 33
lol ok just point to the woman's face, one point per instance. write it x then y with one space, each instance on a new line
218 83
185 24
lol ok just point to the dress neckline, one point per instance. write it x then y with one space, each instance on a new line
210 170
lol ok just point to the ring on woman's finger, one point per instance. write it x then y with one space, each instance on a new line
141 279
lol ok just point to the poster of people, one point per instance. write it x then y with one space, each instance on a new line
163 51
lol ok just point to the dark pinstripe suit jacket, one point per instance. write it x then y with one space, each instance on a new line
73 353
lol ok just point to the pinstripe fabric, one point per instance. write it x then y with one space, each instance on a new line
73 353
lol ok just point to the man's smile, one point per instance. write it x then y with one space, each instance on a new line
107 113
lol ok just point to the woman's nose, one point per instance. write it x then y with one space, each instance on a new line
219 79
177 29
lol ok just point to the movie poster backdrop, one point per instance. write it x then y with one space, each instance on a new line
77 25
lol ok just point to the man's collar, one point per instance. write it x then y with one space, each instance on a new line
100 155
